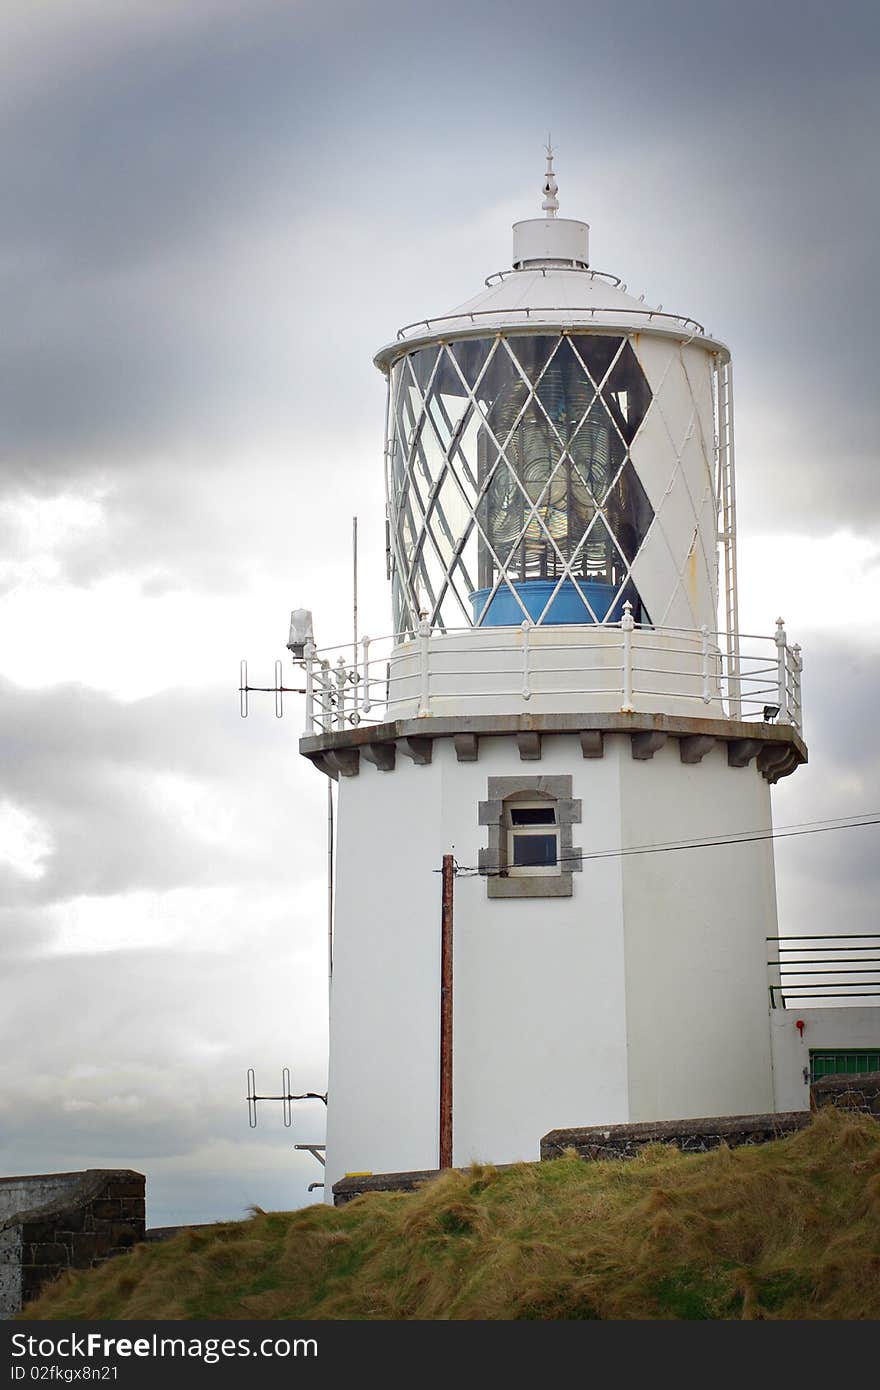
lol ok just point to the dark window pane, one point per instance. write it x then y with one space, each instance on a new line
471 354
532 815
627 394
423 366
629 511
447 381
597 351
532 352
534 851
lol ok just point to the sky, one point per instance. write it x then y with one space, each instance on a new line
213 215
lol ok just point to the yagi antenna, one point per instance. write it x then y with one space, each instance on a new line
286 1097
279 689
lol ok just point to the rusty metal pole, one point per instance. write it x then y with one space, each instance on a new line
446 1014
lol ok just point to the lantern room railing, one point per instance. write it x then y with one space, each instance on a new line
614 666
534 314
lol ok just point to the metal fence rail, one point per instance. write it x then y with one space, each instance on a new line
824 967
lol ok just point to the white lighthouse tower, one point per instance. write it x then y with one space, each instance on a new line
565 705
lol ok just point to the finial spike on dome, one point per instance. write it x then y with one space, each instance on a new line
550 189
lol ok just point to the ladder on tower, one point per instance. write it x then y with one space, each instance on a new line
726 492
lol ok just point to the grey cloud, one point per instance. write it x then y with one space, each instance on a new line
86 765
830 881
146 334
139 1060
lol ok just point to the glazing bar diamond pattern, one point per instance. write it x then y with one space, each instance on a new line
512 493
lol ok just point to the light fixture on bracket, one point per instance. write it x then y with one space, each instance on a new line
300 632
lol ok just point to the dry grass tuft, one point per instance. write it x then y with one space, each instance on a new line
784 1230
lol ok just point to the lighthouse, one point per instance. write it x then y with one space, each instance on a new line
563 703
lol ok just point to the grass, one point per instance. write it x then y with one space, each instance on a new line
785 1230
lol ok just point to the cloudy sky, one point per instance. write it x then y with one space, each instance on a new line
212 214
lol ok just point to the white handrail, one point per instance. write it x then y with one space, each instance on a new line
523 669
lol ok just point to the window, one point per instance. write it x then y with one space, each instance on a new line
529 823
532 838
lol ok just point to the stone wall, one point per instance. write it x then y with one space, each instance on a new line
609 1141
348 1188
861 1093
50 1222
690 1136
38 1190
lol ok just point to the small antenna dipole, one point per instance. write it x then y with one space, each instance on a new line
286 1097
279 690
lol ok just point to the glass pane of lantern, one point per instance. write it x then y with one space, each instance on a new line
470 355
597 452
502 453
423 363
453 513
629 511
597 352
627 393
532 352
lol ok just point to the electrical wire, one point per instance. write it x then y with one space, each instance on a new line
739 838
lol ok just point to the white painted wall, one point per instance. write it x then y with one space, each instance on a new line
384 1033
539 1027
696 923
540 1021
642 996
847 1027
485 670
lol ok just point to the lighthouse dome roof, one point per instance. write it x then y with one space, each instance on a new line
548 297
551 286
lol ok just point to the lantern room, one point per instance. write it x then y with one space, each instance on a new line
553 450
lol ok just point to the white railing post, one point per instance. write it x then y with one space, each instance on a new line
626 626
424 655
705 633
526 629
797 666
366 705
309 652
782 682
341 677
326 694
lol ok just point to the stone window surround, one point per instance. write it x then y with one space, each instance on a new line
492 859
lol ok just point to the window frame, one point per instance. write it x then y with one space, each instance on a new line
512 833
552 788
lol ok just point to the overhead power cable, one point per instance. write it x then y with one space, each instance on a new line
671 846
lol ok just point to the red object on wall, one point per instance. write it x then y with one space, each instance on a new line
800 1026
